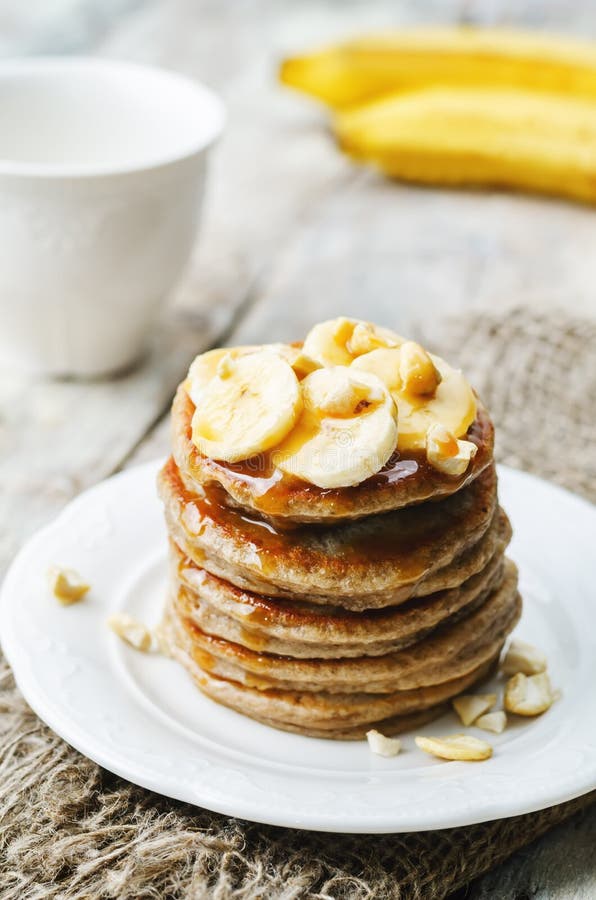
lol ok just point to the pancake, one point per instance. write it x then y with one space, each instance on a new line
380 561
300 629
334 714
451 651
257 485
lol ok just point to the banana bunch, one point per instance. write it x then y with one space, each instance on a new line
332 412
463 106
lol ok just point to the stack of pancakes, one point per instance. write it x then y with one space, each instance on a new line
328 612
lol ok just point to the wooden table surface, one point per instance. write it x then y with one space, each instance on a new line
292 233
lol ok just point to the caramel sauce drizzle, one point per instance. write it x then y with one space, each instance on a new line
404 539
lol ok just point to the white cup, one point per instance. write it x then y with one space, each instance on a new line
102 167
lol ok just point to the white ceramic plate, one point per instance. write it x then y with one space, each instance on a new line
141 717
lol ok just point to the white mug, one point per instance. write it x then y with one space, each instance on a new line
102 167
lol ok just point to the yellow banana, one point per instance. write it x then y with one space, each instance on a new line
362 69
347 432
251 403
509 138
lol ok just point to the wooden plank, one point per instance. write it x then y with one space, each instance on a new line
403 256
276 160
560 866
56 438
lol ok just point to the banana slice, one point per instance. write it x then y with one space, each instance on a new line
452 404
337 342
251 403
204 367
347 431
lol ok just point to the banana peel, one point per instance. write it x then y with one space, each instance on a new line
357 71
543 143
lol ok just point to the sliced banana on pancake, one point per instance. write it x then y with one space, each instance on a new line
337 342
452 403
347 431
251 403
204 367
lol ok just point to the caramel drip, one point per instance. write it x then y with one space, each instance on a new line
272 490
253 640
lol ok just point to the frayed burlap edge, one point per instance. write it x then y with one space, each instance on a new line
70 830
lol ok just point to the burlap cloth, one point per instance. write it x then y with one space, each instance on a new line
71 830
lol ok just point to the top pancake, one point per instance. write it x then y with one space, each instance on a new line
255 484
